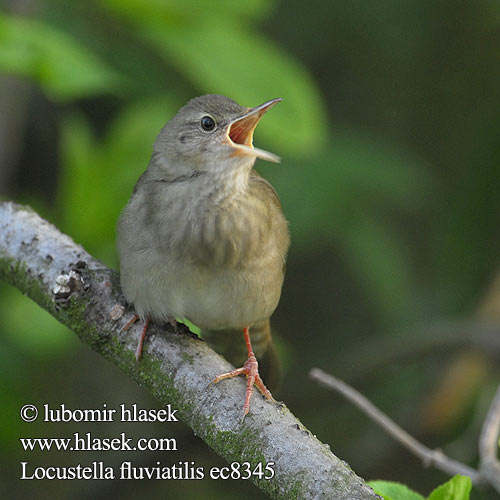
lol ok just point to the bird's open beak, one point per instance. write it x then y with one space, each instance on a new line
240 133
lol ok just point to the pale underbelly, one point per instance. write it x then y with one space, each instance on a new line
225 300
211 299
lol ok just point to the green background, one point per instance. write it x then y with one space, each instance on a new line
390 138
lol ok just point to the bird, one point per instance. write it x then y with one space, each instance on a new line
203 236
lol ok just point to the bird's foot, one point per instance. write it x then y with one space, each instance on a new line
251 370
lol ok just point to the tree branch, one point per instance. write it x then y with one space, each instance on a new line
176 368
489 468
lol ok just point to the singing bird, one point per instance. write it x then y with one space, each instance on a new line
203 236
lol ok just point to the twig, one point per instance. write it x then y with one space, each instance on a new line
429 457
489 464
176 368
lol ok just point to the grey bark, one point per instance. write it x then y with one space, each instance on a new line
176 368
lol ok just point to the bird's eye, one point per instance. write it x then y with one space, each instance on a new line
207 123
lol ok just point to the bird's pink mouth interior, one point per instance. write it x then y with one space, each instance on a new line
241 131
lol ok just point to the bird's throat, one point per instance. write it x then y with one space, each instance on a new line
230 178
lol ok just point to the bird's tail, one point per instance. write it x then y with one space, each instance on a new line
231 345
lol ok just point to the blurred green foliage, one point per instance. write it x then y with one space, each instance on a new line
390 174
64 68
215 47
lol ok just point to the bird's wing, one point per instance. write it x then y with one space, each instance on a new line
266 187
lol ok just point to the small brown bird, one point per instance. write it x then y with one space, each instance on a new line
203 236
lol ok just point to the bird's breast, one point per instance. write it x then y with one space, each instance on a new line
235 267
233 234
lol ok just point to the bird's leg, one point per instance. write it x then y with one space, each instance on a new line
138 351
251 370
128 324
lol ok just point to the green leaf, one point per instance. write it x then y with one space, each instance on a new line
394 491
168 9
457 488
230 60
64 68
79 186
224 55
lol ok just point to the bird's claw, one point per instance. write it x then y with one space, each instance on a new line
251 370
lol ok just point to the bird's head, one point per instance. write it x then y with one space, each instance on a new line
212 132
